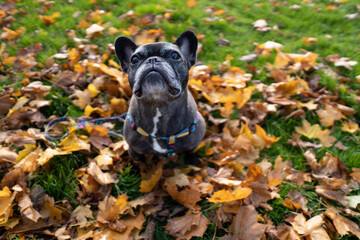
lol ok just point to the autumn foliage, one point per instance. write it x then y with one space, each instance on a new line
233 187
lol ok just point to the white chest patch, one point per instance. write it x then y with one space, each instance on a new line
156 145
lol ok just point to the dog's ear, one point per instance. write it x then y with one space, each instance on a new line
124 48
188 43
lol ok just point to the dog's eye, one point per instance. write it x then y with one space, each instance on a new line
174 55
135 59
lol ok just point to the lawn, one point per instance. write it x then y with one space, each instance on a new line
277 82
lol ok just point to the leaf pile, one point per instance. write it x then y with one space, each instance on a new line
237 185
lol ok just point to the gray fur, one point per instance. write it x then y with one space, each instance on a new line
159 83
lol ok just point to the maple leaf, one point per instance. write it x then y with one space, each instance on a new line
188 226
150 180
224 196
296 201
110 208
329 115
74 143
187 197
49 210
81 214
261 139
311 228
101 177
245 224
342 224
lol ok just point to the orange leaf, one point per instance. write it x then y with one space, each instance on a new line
223 196
190 3
147 185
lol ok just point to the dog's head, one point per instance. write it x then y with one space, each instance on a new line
158 72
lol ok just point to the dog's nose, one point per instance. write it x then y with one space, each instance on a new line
153 60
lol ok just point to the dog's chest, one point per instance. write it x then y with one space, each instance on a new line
156 145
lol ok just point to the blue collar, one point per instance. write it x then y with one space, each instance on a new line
170 140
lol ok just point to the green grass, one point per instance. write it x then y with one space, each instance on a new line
58 179
129 183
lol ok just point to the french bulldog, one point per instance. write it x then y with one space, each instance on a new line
162 116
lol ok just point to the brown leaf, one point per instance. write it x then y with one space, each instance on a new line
329 193
81 214
245 225
187 197
110 208
101 177
6 103
27 209
342 224
329 115
311 228
188 226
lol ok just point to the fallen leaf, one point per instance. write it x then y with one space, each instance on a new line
329 115
81 214
350 127
245 224
311 228
6 205
224 196
188 226
110 208
342 224
101 177
27 209
150 180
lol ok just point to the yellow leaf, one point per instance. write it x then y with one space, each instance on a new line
350 127
50 153
93 90
89 110
9 61
147 185
264 140
23 153
73 143
224 196
6 199
121 201
28 162
307 130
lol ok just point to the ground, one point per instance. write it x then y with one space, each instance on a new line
276 81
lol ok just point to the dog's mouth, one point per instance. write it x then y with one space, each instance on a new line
154 82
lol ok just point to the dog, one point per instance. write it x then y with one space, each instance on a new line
162 117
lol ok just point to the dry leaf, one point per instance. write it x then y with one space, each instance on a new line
188 226
311 228
245 224
150 180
